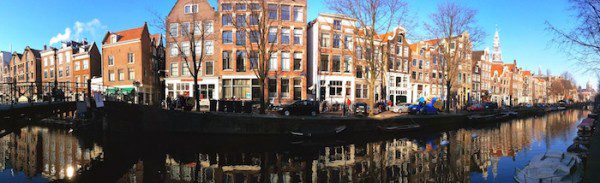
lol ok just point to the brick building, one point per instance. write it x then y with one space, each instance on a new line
396 54
128 66
482 64
287 72
26 71
71 65
425 70
187 16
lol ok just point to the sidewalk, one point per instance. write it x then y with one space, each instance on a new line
593 162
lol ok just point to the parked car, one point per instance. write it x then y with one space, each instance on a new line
361 109
475 107
490 105
301 107
414 108
422 109
400 108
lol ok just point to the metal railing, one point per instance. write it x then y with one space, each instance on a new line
36 92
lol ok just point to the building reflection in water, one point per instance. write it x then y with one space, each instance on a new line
53 154
397 160
57 154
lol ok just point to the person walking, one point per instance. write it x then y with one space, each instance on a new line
348 103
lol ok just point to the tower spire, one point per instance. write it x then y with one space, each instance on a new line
497 51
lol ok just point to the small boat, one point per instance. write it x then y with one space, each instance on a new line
552 167
510 113
479 117
586 126
309 133
398 128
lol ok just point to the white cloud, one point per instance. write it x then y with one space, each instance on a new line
61 37
79 30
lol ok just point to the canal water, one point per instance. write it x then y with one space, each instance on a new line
488 153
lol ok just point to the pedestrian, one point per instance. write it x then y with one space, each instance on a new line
169 101
348 103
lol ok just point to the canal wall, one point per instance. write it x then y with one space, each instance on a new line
129 117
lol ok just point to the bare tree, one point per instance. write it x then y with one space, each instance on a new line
372 16
189 40
454 27
263 31
582 42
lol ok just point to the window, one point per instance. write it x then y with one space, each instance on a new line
336 63
253 60
60 58
67 71
174 69
297 88
255 6
209 47
359 53
285 12
254 36
68 56
335 88
226 7
86 64
174 50
197 28
272 88
337 24
208 27
51 73
227 37
272 11
273 62
185 28
297 61
190 8
285 88
240 38
209 68
348 44
414 62
198 48
240 7
186 48
111 60
285 61
45 62
111 75
185 68
420 64
240 20
226 60
173 30
226 20
347 63
240 60
130 58
131 74
272 35
113 38
361 91
298 13
336 41
414 75
77 65
121 75
298 36
359 72
285 36
324 62
324 40
253 19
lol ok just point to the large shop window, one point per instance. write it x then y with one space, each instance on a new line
237 89
207 91
335 88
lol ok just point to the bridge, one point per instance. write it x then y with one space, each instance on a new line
36 110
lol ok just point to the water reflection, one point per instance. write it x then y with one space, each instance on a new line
488 153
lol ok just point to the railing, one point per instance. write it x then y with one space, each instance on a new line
35 92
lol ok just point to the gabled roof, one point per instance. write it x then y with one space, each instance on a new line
526 73
156 39
497 67
477 54
126 35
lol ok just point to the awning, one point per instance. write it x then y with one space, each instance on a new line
111 91
126 91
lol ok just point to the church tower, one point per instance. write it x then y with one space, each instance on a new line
497 52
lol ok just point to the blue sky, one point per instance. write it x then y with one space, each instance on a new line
523 33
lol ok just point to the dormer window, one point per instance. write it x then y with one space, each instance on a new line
400 36
113 39
191 8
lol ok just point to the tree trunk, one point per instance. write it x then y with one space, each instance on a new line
263 104
371 93
448 96
197 94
